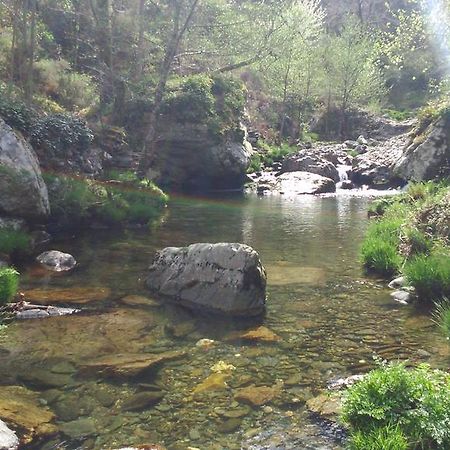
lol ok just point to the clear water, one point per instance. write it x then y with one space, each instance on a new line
332 320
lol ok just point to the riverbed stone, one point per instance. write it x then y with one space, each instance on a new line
140 300
21 408
258 334
127 365
325 405
222 278
214 382
403 297
57 261
8 438
23 192
397 283
80 428
257 395
76 295
142 400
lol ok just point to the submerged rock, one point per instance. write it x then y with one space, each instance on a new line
214 382
403 297
28 311
80 428
224 278
23 192
259 334
127 365
257 395
326 406
71 295
142 400
21 408
8 438
57 261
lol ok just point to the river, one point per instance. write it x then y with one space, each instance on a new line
331 319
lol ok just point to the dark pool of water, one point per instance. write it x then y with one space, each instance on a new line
331 318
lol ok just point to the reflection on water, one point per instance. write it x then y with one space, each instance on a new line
331 319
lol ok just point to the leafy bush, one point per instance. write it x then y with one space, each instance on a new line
60 133
16 114
70 89
229 96
77 200
430 275
255 163
389 437
273 153
14 241
9 282
193 101
417 401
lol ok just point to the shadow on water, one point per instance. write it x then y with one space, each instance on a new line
329 319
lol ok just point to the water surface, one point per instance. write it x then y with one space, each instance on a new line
331 318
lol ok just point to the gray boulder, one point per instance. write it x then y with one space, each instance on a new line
224 278
308 161
57 261
428 156
297 183
8 438
192 159
22 190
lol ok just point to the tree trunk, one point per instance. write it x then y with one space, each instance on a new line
31 52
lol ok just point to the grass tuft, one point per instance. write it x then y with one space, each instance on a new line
9 282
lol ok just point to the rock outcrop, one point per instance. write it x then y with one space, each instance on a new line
310 161
223 278
57 261
297 183
22 190
190 158
427 157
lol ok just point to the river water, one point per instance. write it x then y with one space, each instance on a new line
332 320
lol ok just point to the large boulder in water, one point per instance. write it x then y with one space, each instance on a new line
22 190
310 161
191 158
225 278
298 183
428 156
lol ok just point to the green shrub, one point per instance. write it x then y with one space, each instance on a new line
430 275
16 114
441 316
76 200
255 163
417 242
398 115
59 134
389 437
9 282
417 401
14 241
380 256
70 89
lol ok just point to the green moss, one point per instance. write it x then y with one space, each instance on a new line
417 401
9 282
14 241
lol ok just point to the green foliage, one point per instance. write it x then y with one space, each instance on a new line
399 116
9 282
273 153
255 163
70 89
417 242
215 101
77 200
390 437
417 401
14 241
430 275
16 114
441 316
379 250
61 133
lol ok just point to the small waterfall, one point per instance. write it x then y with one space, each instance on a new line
343 170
